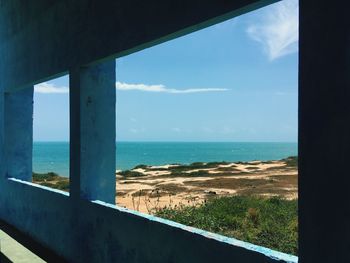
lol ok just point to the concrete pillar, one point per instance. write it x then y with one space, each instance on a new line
18 133
324 132
2 152
92 132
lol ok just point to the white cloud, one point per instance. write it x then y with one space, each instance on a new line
278 29
161 88
46 88
49 88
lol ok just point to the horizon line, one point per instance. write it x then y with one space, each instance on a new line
189 141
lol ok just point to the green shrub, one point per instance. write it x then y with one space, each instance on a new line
195 166
51 180
62 185
128 173
200 173
180 173
157 169
269 222
291 161
141 166
50 176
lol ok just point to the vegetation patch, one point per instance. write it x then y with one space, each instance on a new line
227 169
276 168
157 169
37 177
171 188
269 222
253 163
291 161
178 173
141 166
121 193
205 173
200 173
129 173
229 183
285 180
141 192
62 185
51 180
196 165
268 162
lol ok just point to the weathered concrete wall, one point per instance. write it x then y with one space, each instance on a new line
18 133
85 231
2 131
92 129
45 38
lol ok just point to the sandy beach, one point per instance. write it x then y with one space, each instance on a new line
147 188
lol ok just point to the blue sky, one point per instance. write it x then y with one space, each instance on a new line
234 81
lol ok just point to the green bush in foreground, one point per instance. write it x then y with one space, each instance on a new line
271 223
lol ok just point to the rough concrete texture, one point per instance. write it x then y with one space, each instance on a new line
43 39
92 124
47 38
84 231
18 133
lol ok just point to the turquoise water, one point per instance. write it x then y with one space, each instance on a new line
54 156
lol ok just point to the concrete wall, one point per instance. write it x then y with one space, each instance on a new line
18 133
43 39
92 132
84 231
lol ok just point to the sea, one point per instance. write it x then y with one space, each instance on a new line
54 156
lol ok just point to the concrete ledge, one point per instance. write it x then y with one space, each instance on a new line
94 231
273 254
38 186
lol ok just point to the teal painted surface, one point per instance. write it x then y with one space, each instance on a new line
73 226
18 133
54 156
231 241
115 29
100 232
92 127
2 144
